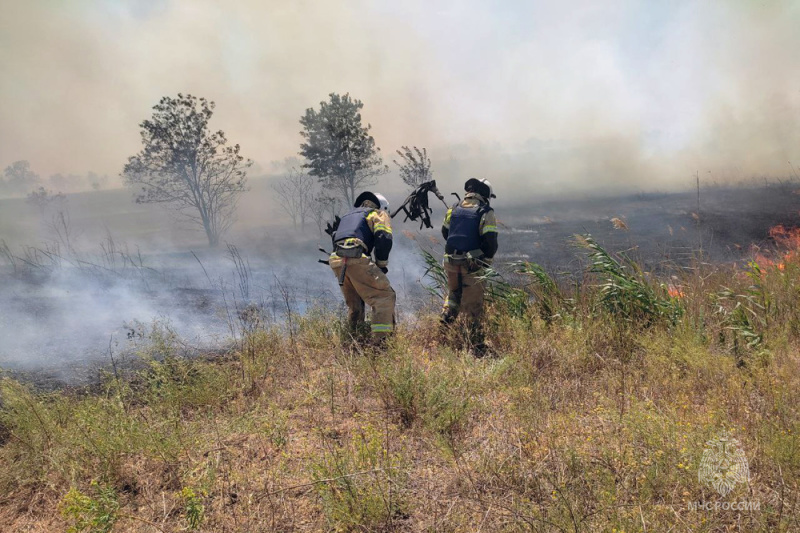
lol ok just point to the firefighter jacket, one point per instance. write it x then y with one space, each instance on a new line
470 225
369 228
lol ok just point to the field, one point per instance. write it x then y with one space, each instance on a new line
610 376
115 266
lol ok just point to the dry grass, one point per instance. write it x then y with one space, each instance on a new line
585 421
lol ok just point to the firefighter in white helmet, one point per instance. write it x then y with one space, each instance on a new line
364 231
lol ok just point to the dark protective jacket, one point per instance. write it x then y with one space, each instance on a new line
369 228
470 225
465 228
354 225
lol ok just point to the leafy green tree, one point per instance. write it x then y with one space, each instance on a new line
185 165
338 148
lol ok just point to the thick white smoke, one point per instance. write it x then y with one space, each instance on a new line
537 95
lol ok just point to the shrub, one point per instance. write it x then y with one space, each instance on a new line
361 484
193 508
95 513
438 397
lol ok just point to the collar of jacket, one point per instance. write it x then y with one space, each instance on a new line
476 196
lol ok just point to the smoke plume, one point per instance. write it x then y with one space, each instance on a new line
540 96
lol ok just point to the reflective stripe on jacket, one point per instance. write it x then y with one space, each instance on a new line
466 232
369 228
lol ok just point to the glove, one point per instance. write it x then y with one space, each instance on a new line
385 270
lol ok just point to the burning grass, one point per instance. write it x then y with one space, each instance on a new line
593 417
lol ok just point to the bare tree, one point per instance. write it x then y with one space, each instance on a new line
338 148
296 194
324 209
415 168
185 165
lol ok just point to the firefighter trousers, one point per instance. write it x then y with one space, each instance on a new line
364 282
465 293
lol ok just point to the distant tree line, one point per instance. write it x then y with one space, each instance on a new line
18 179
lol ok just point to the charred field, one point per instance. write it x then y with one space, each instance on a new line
660 229
113 272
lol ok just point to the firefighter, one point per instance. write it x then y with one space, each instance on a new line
470 229
363 231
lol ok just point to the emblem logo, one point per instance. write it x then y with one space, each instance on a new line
724 464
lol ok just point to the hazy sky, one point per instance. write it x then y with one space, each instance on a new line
527 92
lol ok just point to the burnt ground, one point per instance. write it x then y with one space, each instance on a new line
57 325
663 229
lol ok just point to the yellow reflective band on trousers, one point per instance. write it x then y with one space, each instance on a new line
383 227
364 283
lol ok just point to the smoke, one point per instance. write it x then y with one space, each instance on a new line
114 269
539 96
65 323
102 280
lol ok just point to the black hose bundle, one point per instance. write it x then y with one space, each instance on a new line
416 206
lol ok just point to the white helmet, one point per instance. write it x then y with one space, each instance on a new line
491 189
481 186
384 202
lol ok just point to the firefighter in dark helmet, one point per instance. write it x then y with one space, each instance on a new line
470 229
364 231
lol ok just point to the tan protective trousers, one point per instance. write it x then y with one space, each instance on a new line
465 293
364 282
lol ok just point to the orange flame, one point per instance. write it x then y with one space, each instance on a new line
620 224
788 240
675 291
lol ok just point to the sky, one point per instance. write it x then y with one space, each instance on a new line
535 95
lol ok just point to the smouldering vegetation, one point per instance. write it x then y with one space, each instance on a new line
593 417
